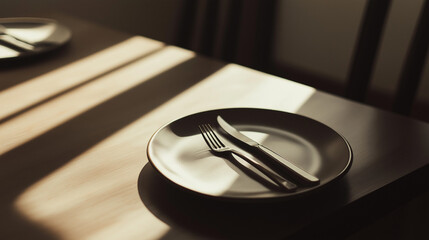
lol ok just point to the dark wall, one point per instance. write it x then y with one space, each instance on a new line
311 41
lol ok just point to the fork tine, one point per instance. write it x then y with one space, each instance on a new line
210 137
204 134
212 132
207 137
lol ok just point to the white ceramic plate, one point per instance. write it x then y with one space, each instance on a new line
179 152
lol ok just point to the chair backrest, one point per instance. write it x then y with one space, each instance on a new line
234 31
364 55
243 31
412 71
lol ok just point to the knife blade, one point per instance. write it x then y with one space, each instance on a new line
279 160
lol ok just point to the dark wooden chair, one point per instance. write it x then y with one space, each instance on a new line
365 52
233 31
241 31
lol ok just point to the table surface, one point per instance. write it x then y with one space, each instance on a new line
75 123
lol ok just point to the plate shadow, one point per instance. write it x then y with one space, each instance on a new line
210 217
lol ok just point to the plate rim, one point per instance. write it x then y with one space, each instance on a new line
229 198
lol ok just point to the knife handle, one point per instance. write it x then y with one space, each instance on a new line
298 172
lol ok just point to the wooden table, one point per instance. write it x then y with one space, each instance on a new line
75 123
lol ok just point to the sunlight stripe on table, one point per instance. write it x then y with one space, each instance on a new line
101 197
28 93
49 115
255 90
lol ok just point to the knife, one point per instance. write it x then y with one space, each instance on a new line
290 167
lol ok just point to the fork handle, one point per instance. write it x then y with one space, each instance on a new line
16 43
282 182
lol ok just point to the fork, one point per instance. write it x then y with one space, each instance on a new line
217 146
14 41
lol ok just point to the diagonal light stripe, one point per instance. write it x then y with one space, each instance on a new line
100 200
53 113
21 96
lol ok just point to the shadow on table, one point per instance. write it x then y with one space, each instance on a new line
33 160
215 218
79 47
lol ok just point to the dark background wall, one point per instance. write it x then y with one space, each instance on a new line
311 41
